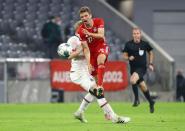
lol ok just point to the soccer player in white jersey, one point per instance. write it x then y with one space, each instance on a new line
81 76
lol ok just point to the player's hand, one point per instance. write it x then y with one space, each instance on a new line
86 32
90 68
151 67
131 58
72 55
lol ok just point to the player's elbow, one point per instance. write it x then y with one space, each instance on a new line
102 36
151 53
125 57
86 50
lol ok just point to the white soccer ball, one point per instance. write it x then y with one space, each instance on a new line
64 50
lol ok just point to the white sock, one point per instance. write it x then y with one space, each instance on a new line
85 102
106 107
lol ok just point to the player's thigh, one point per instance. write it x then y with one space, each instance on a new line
134 78
87 82
101 58
93 60
102 54
141 72
75 77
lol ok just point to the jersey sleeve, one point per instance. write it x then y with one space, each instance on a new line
81 35
125 49
100 23
148 47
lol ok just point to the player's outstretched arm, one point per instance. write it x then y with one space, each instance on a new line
126 56
99 34
75 53
151 57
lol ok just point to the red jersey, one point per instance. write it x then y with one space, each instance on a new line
95 44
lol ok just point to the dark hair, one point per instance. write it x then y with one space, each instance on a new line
136 28
85 9
51 17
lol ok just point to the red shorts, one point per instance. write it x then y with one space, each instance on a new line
94 55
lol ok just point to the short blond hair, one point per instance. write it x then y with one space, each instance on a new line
136 28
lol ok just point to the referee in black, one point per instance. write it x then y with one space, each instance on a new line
135 51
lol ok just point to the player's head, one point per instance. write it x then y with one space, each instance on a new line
73 41
56 19
136 33
180 72
85 14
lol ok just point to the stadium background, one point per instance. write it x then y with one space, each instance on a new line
25 70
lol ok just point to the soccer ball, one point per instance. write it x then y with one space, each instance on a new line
64 50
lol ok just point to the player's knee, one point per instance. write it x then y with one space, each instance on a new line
101 66
143 86
101 59
140 81
101 63
133 80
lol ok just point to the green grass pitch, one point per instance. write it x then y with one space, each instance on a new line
59 117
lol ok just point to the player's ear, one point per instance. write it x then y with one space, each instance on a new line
90 15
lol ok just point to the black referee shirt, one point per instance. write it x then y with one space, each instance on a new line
138 50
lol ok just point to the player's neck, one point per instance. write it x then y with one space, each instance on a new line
137 41
90 24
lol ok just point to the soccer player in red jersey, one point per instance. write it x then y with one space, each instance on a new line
91 32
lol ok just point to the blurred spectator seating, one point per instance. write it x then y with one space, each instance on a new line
22 20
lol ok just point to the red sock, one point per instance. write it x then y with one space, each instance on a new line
101 70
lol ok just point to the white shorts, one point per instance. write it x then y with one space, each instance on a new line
84 79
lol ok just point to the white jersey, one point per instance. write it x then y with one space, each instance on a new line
79 70
79 63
